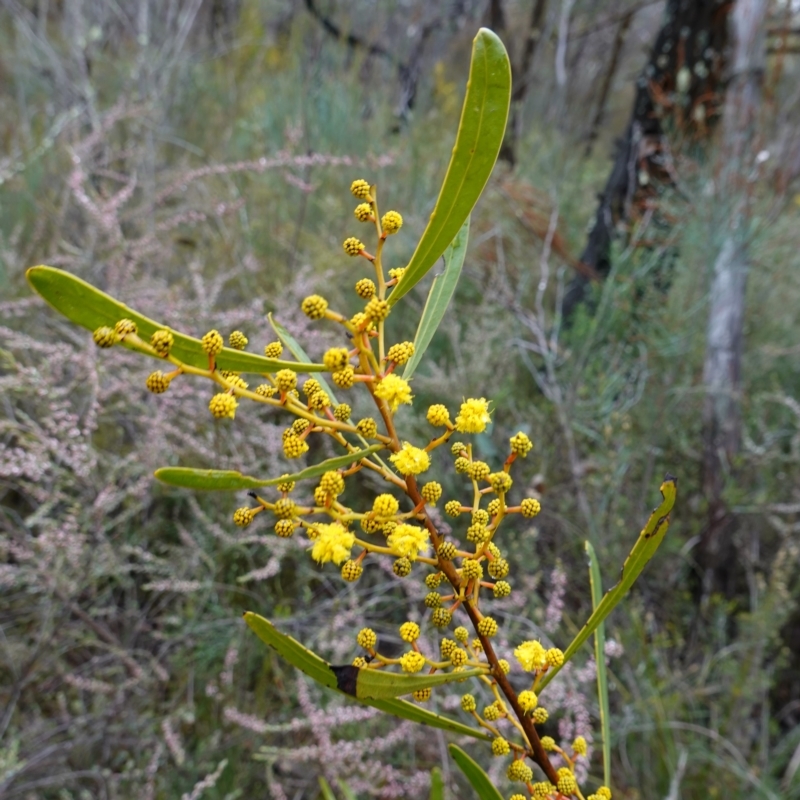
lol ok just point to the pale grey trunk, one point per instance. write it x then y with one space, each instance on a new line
722 368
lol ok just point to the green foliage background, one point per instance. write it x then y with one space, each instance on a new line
703 701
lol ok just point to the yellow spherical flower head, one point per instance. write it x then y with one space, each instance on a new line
273 350
105 337
212 342
530 507
385 505
363 212
394 390
520 444
549 744
540 715
408 541
604 792
367 427
422 695
125 327
391 222
473 417
431 492
286 380
531 656
412 661
519 771
579 746
554 657
411 460
367 638
157 382
409 631
237 340
360 189
365 288
543 790
333 543
353 246
161 341
528 700
314 306
567 784
335 359
500 747
377 310
223 405
401 352
438 415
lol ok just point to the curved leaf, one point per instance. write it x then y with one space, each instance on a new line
439 297
373 684
478 779
645 548
600 660
90 308
318 669
229 480
480 135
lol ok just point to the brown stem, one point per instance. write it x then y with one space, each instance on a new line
538 753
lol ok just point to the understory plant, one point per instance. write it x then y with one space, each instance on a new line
463 571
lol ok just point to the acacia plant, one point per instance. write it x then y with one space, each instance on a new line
461 577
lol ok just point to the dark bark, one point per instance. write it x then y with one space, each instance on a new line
521 81
722 369
408 71
616 49
677 90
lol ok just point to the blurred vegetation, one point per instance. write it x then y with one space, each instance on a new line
121 654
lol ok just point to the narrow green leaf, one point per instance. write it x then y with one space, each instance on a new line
228 480
478 141
478 779
373 684
645 548
596 582
439 297
437 785
325 788
90 308
318 669
346 791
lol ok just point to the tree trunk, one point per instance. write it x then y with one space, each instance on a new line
722 368
677 90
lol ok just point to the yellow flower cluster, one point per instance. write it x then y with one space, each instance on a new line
473 416
333 543
410 460
394 390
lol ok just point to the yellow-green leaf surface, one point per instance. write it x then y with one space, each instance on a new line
478 779
229 480
480 135
318 669
90 308
645 548
596 583
437 785
373 684
439 297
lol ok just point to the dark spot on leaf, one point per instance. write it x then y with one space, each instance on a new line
346 677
